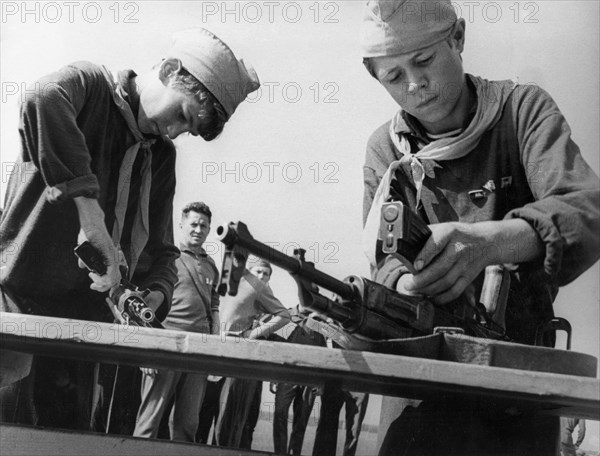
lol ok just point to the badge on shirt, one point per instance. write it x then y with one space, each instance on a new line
488 187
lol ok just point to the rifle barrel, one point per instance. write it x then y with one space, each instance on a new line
237 234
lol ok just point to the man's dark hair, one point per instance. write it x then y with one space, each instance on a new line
198 207
212 114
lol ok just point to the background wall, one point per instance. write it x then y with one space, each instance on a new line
289 164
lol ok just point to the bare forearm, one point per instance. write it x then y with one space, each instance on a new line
93 229
275 323
510 241
90 213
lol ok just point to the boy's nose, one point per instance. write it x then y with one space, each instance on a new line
417 81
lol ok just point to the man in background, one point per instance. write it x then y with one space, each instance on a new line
195 308
302 397
239 315
332 400
263 271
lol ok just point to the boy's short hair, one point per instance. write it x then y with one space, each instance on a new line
212 114
262 263
199 207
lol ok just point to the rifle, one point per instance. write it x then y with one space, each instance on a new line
361 307
126 301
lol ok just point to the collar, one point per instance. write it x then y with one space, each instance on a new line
128 91
201 253
297 316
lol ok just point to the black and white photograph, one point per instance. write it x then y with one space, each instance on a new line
312 227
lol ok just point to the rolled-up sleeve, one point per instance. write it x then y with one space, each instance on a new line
48 126
566 212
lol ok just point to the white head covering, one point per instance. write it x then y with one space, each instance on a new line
392 27
215 65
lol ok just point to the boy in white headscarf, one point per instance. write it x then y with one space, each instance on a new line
98 164
492 168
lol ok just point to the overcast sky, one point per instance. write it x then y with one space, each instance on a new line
289 164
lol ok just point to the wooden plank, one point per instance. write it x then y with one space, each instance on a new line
377 373
34 441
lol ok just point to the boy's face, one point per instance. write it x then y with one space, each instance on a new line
262 272
194 229
428 83
166 111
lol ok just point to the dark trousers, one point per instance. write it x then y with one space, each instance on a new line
125 380
57 393
458 427
303 399
209 412
236 398
252 420
331 403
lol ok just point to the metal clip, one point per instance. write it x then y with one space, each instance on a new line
392 226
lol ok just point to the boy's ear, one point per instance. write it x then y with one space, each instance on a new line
168 68
458 35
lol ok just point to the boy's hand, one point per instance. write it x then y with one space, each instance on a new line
402 283
93 229
451 259
456 253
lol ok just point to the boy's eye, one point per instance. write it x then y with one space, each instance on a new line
393 78
425 61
